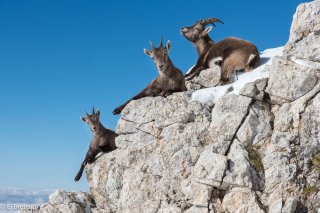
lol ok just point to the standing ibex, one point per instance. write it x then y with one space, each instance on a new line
103 140
170 78
232 54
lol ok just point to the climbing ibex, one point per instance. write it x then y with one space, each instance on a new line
170 78
232 54
103 140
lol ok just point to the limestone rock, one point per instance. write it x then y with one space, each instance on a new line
305 32
309 129
289 81
210 167
278 169
241 200
253 152
287 117
255 89
68 202
197 194
290 205
238 173
207 78
158 149
258 124
227 115
177 155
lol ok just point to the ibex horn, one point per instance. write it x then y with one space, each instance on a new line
210 21
161 42
86 113
93 112
151 44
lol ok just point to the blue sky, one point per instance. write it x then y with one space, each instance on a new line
60 58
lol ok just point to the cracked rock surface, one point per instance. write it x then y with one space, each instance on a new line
253 152
62 201
207 78
305 33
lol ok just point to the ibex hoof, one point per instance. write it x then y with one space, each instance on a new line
116 111
77 178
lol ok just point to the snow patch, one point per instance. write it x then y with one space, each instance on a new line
210 96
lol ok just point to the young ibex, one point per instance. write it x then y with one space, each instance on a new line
232 54
103 140
170 78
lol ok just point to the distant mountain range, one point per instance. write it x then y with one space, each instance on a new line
23 196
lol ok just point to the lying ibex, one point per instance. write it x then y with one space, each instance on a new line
103 140
233 54
170 78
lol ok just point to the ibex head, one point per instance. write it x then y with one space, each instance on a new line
199 29
92 120
160 55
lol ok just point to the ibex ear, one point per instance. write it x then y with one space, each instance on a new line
83 119
168 45
147 52
98 113
207 30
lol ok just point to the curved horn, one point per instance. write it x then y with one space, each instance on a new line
93 111
161 42
151 44
210 21
86 113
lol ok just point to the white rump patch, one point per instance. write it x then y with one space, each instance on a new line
213 61
251 57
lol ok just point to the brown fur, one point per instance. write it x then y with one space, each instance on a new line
170 78
234 52
103 140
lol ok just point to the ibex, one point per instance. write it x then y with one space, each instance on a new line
232 54
169 80
103 140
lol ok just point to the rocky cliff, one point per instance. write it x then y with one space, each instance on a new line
257 150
